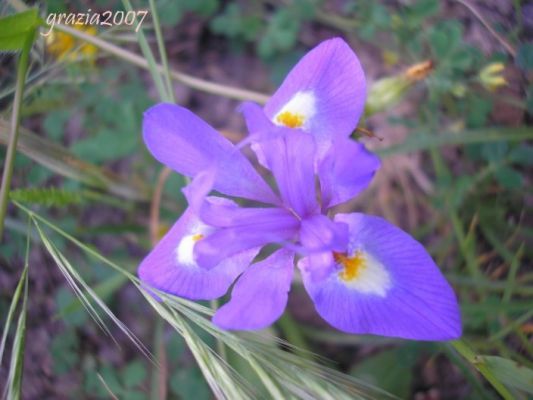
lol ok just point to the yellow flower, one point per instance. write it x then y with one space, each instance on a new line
64 46
491 77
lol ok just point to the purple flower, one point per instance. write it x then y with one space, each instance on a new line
363 274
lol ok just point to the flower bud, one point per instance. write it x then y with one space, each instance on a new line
389 91
491 77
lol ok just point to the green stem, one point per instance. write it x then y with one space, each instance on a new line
22 69
221 349
159 375
479 363
149 56
162 53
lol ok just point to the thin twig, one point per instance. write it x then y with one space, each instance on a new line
195 83
106 386
484 22
155 205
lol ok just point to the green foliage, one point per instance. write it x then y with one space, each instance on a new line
16 30
234 24
65 351
391 370
171 12
47 196
85 116
280 35
524 58
188 384
124 383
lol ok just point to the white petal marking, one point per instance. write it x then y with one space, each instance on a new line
373 278
185 249
301 104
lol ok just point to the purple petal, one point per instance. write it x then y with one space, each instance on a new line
398 291
247 228
255 118
290 157
345 171
197 191
260 295
170 266
328 88
318 233
184 142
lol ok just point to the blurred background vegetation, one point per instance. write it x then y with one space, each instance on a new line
449 111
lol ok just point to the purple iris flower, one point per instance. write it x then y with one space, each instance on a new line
363 274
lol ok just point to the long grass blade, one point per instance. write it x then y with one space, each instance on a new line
281 372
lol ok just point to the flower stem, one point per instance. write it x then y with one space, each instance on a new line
22 69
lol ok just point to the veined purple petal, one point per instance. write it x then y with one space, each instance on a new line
346 170
223 213
171 267
327 89
256 120
260 295
290 157
197 191
247 228
184 142
392 288
318 233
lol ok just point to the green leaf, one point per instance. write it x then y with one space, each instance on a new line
529 98
16 29
64 301
445 37
523 154
511 373
63 162
47 196
390 370
55 121
477 111
524 56
494 152
508 177
134 374
190 384
281 34
64 350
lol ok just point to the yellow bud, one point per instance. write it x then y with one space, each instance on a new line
491 76
389 91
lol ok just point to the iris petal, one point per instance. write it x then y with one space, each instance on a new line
168 269
290 156
260 295
328 88
245 228
346 170
184 142
401 293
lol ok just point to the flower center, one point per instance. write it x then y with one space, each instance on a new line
185 249
351 266
197 237
298 112
290 120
